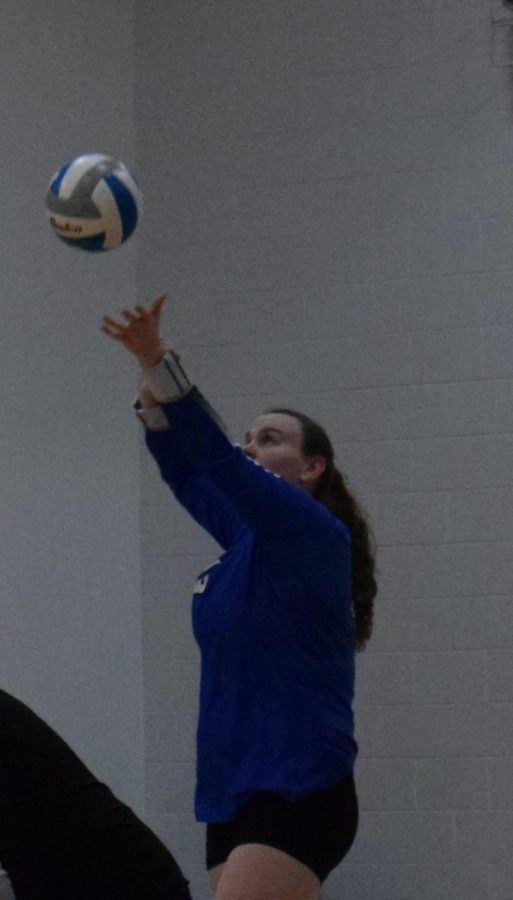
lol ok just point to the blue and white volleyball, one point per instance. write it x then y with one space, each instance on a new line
94 202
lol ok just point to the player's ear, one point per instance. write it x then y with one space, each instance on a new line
313 468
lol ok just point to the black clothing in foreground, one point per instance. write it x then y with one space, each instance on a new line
63 834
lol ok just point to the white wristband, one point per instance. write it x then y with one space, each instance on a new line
153 419
167 380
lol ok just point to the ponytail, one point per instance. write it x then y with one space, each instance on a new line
331 490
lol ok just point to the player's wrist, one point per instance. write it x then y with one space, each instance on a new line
152 355
149 360
166 379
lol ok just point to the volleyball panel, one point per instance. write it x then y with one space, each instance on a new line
81 174
94 202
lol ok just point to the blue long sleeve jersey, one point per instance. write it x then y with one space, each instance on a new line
272 618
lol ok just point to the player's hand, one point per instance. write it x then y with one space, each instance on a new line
141 333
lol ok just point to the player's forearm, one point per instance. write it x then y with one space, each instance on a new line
162 383
146 398
166 381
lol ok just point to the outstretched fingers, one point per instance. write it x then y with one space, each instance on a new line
139 332
130 317
113 328
156 306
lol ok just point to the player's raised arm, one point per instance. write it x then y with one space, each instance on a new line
163 379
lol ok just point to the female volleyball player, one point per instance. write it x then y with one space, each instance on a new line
277 619
63 834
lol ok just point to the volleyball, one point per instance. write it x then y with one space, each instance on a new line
94 202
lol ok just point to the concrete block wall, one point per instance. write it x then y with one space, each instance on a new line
70 587
329 205
70 641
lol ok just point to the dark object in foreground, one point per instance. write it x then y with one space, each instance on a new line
63 834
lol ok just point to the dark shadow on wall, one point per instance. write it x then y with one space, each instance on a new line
502 33
502 38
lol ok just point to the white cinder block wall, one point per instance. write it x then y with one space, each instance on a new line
70 636
329 205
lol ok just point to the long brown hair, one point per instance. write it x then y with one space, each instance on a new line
331 489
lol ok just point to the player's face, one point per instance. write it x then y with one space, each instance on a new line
274 441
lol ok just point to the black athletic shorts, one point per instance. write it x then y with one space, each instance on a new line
318 831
